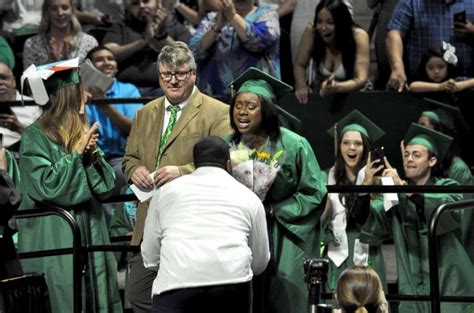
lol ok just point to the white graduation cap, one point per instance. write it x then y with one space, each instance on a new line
45 79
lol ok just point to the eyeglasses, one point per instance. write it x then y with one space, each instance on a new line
167 76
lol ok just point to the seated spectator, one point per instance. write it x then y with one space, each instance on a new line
13 119
210 213
339 49
60 36
115 120
419 24
359 290
240 35
20 15
137 41
61 165
407 222
438 71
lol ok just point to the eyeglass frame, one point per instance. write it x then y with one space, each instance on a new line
175 74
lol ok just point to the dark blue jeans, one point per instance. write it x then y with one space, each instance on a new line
233 298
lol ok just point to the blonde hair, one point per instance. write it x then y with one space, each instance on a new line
359 290
45 24
61 120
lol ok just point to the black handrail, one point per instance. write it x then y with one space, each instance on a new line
75 250
433 249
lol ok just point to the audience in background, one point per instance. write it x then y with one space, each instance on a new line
302 15
139 38
240 35
359 290
419 24
20 15
60 36
438 72
13 119
383 10
339 49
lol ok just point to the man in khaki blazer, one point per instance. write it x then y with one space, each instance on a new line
198 116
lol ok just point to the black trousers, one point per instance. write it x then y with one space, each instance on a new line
232 298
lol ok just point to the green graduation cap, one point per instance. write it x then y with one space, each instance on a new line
434 141
448 116
356 121
48 78
258 82
6 54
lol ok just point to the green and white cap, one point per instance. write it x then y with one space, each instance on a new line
436 142
46 79
258 82
356 121
448 116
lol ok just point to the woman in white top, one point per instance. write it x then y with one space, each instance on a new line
339 49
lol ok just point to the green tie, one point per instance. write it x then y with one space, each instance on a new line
164 139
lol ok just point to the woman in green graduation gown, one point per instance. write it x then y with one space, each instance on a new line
293 200
407 223
61 166
345 214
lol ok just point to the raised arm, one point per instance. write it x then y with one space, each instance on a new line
303 56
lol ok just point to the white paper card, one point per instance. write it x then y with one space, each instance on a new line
143 194
93 78
389 199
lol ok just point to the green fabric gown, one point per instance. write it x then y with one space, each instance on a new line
12 169
296 196
460 172
407 224
51 177
376 260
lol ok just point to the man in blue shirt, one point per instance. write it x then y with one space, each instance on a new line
418 25
115 120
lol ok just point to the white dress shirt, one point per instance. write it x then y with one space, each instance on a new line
167 115
204 229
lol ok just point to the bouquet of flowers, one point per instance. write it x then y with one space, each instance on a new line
256 170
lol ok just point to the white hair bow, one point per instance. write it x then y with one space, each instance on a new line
449 55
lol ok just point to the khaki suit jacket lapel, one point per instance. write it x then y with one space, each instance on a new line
156 122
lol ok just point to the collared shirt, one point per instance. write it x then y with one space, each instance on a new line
26 115
204 229
111 139
426 23
182 105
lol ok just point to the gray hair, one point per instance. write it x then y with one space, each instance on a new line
176 55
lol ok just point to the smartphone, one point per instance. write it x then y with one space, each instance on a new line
5 109
378 155
459 17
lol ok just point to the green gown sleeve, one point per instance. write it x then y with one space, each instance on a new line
449 221
50 175
12 169
101 176
301 189
378 226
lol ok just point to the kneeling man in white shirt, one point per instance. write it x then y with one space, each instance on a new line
206 235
